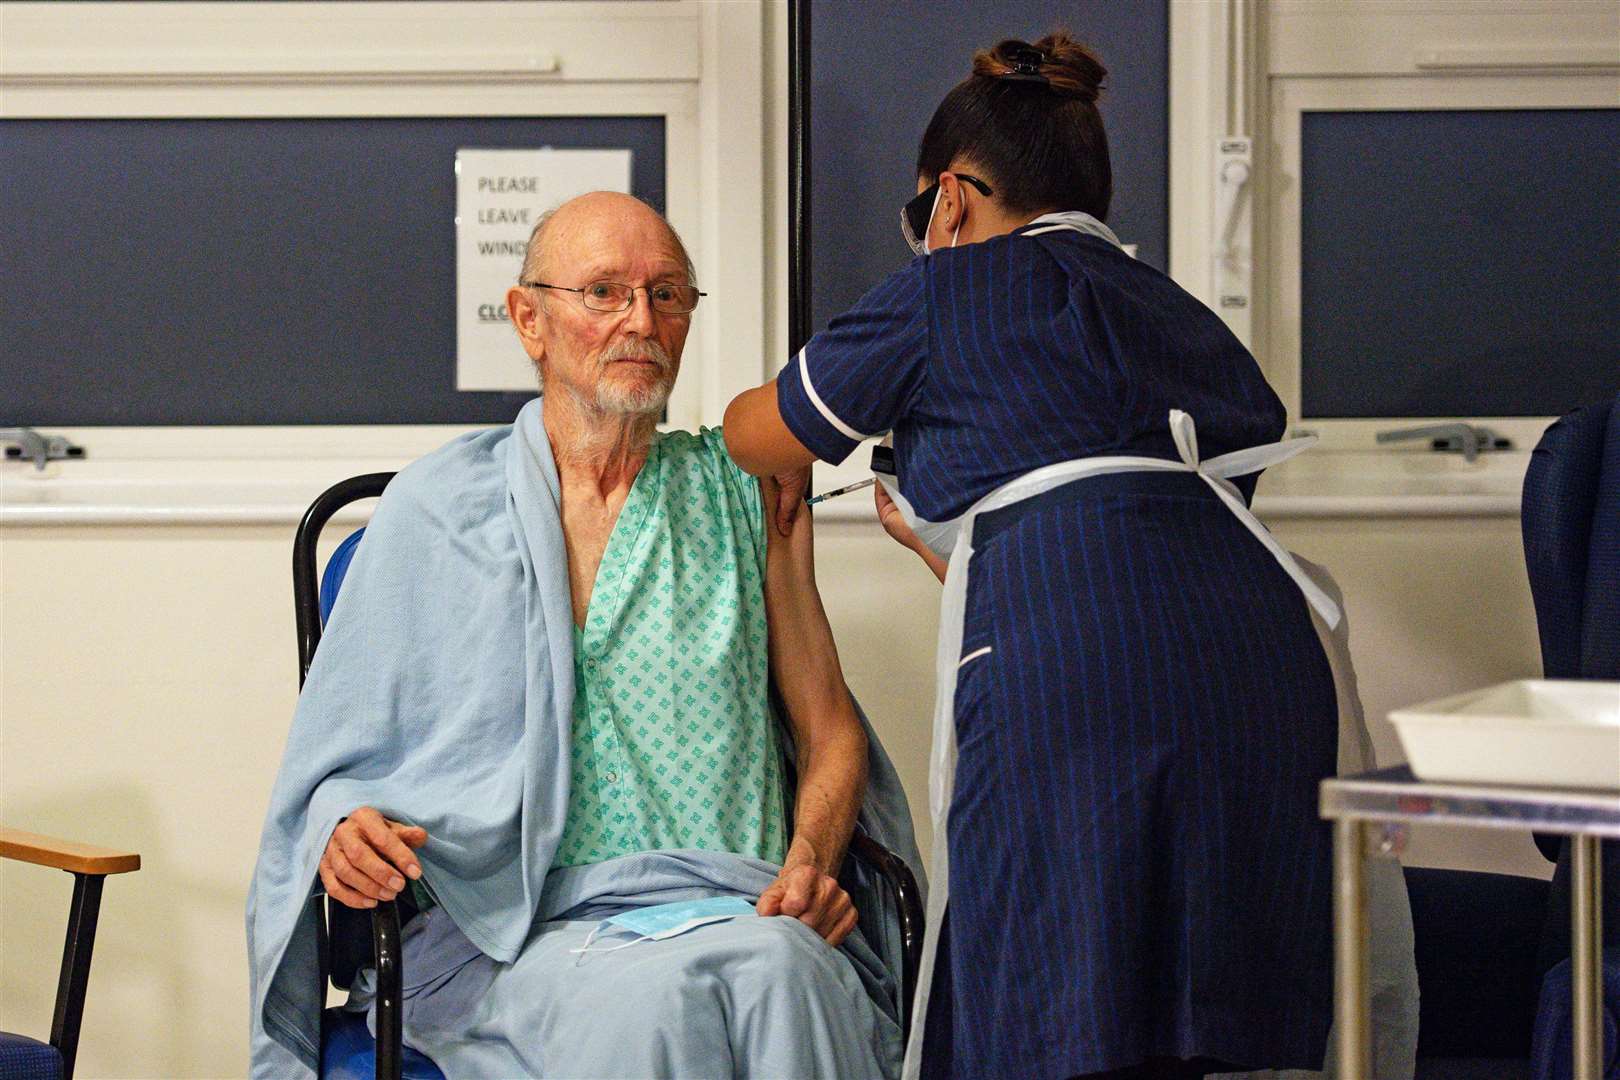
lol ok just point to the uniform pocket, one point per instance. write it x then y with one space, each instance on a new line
975 655
977 682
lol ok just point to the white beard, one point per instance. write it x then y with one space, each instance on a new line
615 415
622 400
614 398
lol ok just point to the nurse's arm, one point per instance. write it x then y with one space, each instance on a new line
829 741
757 437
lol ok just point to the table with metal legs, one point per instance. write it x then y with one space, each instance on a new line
1393 798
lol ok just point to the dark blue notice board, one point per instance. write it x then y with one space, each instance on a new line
250 271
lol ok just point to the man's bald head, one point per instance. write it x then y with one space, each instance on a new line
573 225
610 363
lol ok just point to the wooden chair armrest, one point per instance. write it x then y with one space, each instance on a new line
66 855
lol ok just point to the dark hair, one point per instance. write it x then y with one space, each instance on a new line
1027 119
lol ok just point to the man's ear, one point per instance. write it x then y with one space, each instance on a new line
524 311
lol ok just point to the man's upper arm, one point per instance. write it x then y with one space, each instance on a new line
804 658
789 560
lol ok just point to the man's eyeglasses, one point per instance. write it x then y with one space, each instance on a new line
612 296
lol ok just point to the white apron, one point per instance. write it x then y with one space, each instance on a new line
954 539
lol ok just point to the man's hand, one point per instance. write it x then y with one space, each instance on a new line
366 857
818 901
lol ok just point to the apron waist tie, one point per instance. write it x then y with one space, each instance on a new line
1217 473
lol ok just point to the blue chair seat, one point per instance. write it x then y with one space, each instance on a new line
350 1052
22 1058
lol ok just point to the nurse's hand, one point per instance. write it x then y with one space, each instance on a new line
894 523
793 486
369 857
803 892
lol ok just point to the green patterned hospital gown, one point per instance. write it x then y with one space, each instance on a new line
674 745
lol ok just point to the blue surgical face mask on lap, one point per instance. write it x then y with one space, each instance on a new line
667 920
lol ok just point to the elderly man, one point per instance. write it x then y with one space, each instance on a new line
541 702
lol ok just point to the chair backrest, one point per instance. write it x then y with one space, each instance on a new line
306 594
336 567
1571 522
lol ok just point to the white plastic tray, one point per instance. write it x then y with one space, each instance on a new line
1556 733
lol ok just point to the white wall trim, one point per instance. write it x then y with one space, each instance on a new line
48 44
283 501
733 177
1211 47
1358 38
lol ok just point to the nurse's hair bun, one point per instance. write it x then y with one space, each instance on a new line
1056 61
1026 123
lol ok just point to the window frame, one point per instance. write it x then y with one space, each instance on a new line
702 67
1291 99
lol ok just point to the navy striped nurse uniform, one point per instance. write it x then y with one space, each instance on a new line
1137 866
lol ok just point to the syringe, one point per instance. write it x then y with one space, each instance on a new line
845 490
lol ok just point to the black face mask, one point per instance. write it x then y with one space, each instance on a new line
918 213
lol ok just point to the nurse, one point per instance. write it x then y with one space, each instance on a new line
1130 879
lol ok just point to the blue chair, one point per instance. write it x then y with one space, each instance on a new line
352 939
1484 942
1571 522
23 1058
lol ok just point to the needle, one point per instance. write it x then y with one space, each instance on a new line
841 491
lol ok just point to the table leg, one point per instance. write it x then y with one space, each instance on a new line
1586 937
1351 1010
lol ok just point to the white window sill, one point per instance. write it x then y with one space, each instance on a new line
276 491
266 492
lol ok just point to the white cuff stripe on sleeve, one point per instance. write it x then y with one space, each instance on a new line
821 406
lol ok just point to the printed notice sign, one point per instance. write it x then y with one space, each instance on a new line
499 196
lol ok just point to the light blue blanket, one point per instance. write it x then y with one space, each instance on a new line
747 997
442 695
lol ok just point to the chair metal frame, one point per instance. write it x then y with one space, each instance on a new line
385 917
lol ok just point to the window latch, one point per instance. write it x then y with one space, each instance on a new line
26 443
1472 440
